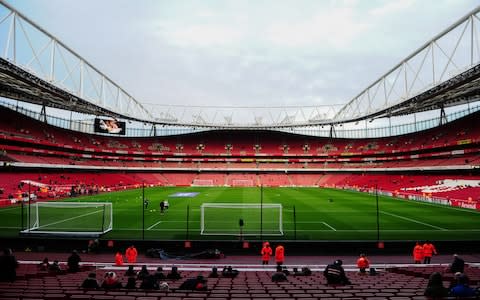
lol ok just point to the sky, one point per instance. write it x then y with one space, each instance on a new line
244 53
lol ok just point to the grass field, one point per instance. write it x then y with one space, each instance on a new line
348 216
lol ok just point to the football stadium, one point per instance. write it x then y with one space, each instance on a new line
87 167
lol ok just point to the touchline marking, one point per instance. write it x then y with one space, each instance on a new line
72 218
326 224
154 225
415 221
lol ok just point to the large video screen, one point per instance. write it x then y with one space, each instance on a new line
109 126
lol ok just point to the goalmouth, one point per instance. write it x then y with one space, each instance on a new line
77 219
256 219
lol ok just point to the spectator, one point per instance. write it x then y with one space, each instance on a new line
55 267
118 259
111 281
279 275
8 266
335 274
229 272
279 255
214 273
174 274
266 253
462 289
143 273
159 274
428 251
435 288
131 254
195 284
458 265
90 282
163 286
73 262
149 283
303 272
93 246
44 265
131 283
130 271
363 263
418 253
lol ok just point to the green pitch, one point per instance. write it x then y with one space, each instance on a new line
308 214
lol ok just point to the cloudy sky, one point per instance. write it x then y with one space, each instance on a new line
244 53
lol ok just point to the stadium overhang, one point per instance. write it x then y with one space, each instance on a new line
438 75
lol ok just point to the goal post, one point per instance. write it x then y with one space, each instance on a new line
224 219
69 218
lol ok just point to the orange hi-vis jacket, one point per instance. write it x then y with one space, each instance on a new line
266 253
131 254
429 250
418 253
118 259
363 263
279 254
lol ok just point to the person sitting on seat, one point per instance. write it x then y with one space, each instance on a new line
131 283
335 274
130 271
44 265
143 273
111 281
159 274
174 274
195 284
214 273
73 262
149 283
435 288
90 282
462 289
303 272
279 275
229 272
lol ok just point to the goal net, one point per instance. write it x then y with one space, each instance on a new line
69 218
202 182
224 219
242 182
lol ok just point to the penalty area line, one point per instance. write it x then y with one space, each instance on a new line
154 225
326 224
415 221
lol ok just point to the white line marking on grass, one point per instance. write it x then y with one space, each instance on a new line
154 225
415 221
326 224
72 218
8 209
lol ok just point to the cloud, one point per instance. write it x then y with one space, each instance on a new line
391 7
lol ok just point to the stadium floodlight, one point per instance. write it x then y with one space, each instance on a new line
70 218
258 219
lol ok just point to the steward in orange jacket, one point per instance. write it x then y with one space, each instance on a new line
279 255
131 254
363 263
119 259
428 251
266 253
418 253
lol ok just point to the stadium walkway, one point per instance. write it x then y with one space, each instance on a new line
247 262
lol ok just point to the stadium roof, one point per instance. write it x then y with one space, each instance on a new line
443 72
